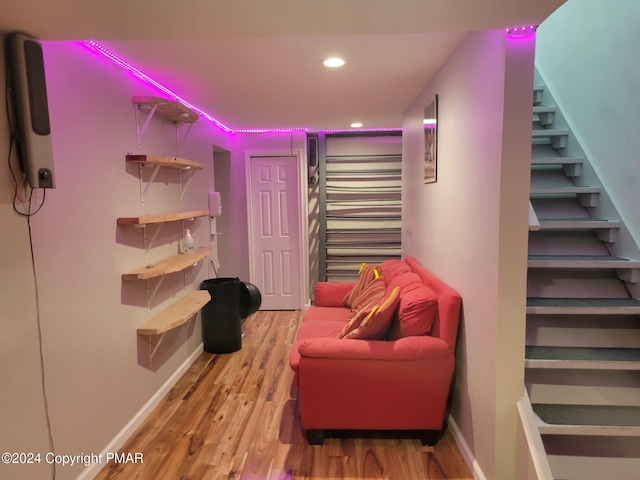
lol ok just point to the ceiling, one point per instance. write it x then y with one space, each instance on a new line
257 63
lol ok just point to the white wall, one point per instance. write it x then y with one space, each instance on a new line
234 240
587 54
470 228
97 369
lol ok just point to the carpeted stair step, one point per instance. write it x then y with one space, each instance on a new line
570 190
588 419
583 306
587 358
576 224
557 160
549 132
606 230
581 261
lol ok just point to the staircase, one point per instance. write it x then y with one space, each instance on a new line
583 324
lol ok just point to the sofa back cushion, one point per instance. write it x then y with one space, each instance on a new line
445 325
373 321
366 275
417 311
390 269
406 281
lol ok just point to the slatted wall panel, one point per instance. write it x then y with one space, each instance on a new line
362 194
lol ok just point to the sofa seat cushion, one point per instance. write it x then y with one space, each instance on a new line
327 328
322 314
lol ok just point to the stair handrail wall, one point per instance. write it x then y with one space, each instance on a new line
626 245
531 461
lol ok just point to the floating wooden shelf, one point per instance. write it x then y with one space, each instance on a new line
169 109
176 315
161 217
169 162
173 264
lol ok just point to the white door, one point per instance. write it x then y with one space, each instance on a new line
275 221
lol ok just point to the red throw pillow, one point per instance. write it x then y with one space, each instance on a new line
366 275
376 322
374 291
416 313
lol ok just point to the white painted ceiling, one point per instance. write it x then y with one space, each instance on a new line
256 63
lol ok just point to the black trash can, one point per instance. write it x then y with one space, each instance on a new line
250 299
221 322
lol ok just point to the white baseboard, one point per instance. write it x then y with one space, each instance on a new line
463 446
138 418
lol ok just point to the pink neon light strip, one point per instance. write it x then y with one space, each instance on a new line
518 31
147 79
95 46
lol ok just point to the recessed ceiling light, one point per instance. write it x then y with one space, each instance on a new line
356 125
333 62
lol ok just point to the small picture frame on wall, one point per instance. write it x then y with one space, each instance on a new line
431 141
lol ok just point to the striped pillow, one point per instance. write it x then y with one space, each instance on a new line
355 320
373 292
366 275
376 318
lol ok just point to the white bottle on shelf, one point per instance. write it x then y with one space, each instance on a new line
189 246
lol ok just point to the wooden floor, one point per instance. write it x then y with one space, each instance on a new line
234 416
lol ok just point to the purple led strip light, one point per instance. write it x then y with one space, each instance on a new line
146 78
518 31
95 46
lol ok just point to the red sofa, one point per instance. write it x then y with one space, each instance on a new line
395 384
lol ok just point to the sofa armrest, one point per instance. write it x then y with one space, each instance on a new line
403 349
331 294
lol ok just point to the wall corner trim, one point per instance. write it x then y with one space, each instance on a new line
139 417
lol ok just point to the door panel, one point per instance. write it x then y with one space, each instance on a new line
275 212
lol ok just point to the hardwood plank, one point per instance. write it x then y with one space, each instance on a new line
232 416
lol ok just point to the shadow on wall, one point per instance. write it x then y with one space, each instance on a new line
155 350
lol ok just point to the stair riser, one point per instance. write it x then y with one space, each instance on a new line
583 387
593 458
565 243
582 337
584 264
594 468
560 283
